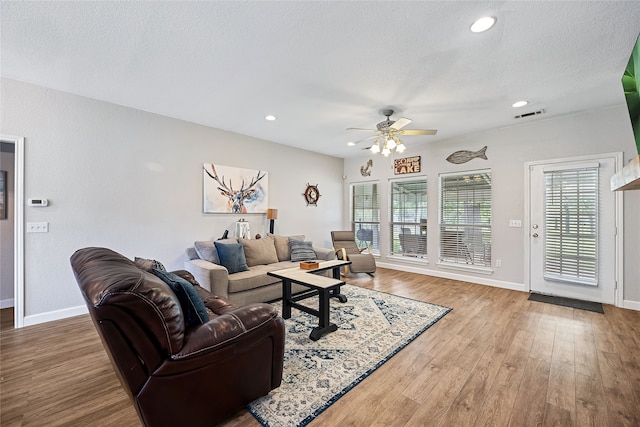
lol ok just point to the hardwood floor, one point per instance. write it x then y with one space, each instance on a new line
496 359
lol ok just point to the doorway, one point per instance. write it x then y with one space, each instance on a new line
573 228
17 214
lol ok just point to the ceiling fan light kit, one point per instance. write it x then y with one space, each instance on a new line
387 133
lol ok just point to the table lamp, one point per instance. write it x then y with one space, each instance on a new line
272 214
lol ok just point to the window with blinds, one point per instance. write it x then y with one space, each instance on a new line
365 215
571 225
409 218
465 218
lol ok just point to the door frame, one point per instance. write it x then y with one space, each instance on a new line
618 215
18 240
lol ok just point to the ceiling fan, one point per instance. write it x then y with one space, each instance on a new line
387 132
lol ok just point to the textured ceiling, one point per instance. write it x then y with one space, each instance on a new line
321 67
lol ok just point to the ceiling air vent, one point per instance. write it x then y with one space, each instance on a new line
533 113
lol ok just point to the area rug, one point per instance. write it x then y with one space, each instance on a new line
567 302
372 327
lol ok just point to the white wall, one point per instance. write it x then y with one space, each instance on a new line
596 132
132 181
6 234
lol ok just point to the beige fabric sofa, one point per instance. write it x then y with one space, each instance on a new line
270 253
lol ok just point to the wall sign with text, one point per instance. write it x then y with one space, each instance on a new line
406 165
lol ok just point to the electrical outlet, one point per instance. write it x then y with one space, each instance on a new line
37 227
515 223
498 263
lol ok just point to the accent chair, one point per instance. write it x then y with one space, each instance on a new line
346 248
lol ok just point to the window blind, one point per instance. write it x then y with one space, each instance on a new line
571 225
409 218
365 215
465 218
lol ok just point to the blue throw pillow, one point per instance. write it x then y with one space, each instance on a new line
301 251
232 257
193 308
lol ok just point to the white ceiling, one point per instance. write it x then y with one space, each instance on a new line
323 66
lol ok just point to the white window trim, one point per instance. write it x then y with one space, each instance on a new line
399 256
452 265
465 267
352 222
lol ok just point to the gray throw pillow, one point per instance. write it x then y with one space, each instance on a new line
206 250
232 257
301 251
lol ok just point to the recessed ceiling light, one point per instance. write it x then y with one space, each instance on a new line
483 24
351 143
519 104
270 117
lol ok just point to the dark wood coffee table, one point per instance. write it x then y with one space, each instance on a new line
324 287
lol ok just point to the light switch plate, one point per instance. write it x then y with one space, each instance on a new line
37 227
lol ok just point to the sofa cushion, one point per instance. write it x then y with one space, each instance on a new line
301 251
193 308
232 257
259 251
282 245
148 264
251 279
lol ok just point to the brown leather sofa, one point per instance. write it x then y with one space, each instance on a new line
175 374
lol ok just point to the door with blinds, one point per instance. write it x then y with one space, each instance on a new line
572 235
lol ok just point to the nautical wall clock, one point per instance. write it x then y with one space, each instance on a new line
311 194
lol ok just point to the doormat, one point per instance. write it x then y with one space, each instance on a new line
372 327
567 302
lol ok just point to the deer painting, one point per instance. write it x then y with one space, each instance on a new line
237 197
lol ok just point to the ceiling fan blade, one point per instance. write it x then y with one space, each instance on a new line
365 139
371 130
400 123
417 132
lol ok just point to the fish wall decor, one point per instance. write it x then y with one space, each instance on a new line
463 156
366 170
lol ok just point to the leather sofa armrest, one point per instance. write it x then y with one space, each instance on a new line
225 328
324 254
212 277
186 276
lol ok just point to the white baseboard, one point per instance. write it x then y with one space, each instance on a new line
6 303
54 315
456 276
81 309
628 304
631 305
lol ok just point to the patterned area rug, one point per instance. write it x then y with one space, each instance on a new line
372 327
